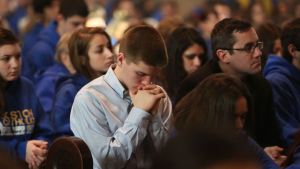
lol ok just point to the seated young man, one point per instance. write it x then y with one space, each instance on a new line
122 116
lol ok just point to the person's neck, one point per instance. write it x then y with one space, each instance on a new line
227 69
118 72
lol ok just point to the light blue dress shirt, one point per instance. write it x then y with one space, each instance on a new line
118 135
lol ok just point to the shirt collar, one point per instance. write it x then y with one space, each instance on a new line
112 80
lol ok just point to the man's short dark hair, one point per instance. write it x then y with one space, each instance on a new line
40 5
222 35
144 43
290 35
69 8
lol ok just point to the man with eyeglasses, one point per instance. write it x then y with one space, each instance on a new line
237 50
284 75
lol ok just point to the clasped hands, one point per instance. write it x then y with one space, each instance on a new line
147 96
36 152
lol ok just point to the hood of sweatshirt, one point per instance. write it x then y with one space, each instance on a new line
279 65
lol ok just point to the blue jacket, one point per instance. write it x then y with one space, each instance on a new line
64 99
14 19
46 83
28 41
23 118
41 55
285 81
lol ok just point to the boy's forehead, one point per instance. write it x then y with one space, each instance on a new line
144 67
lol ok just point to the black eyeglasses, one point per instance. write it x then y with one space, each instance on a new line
249 48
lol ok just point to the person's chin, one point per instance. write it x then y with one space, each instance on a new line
257 70
12 78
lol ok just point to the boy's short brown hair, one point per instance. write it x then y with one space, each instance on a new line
144 43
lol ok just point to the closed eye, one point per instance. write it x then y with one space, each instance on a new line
5 58
140 73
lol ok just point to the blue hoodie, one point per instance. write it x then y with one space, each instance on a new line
41 55
28 41
15 17
64 99
23 118
285 81
46 84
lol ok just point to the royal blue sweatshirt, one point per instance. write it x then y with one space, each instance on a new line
64 99
47 82
41 55
23 118
285 81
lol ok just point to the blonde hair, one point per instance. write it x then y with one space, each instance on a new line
62 46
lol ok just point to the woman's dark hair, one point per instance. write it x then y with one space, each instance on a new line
177 42
211 105
78 49
202 150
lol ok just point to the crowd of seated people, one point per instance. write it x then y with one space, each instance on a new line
145 85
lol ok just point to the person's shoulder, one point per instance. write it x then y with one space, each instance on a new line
91 93
25 82
278 78
22 83
24 87
97 84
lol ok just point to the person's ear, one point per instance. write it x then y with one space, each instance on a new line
120 58
292 50
223 55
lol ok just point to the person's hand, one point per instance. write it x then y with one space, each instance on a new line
275 153
36 151
147 96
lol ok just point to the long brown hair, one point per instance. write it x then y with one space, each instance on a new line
211 105
177 42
